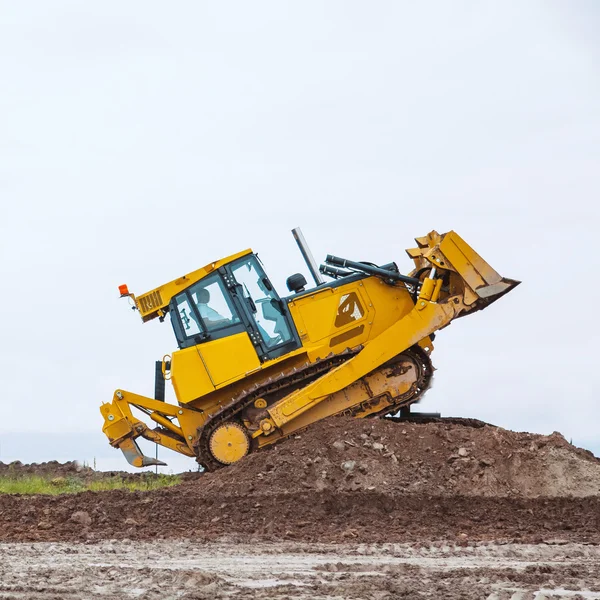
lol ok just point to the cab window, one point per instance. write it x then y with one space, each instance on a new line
204 311
190 324
214 307
263 302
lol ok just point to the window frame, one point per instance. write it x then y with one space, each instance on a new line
264 352
204 283
205 334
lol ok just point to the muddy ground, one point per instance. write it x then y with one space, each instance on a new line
347 509
196 571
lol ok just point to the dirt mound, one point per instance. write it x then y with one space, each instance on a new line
345 454
52 468
350 480
73 470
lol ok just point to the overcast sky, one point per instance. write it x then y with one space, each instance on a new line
142 140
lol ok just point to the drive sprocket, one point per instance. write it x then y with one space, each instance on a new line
229 443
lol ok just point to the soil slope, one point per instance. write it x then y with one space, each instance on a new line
350 480
435 458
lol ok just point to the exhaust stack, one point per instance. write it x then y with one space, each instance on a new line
307 256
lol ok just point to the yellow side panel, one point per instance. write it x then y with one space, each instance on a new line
333 319
189 376
390 304
229 358
331 312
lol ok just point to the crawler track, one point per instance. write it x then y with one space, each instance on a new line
300 378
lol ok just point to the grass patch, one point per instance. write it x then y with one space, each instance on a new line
35 484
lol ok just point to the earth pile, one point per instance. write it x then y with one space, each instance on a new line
438 458
350 480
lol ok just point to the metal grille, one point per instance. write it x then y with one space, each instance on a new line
150 301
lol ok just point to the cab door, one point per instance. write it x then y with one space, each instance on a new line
206 317
269 323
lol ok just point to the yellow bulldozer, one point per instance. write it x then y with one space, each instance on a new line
253 367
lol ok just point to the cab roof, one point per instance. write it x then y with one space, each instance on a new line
154 303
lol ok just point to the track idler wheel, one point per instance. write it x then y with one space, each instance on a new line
229 443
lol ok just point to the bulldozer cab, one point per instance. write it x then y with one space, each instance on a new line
236 298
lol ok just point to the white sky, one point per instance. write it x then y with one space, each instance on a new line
141 140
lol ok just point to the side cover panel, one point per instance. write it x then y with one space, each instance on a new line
198 370
229 358
344 314
189 375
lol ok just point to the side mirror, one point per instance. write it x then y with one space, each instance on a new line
296 283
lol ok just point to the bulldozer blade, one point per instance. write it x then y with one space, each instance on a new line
135 457
482 284
490 293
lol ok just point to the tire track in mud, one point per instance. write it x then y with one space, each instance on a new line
196 571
